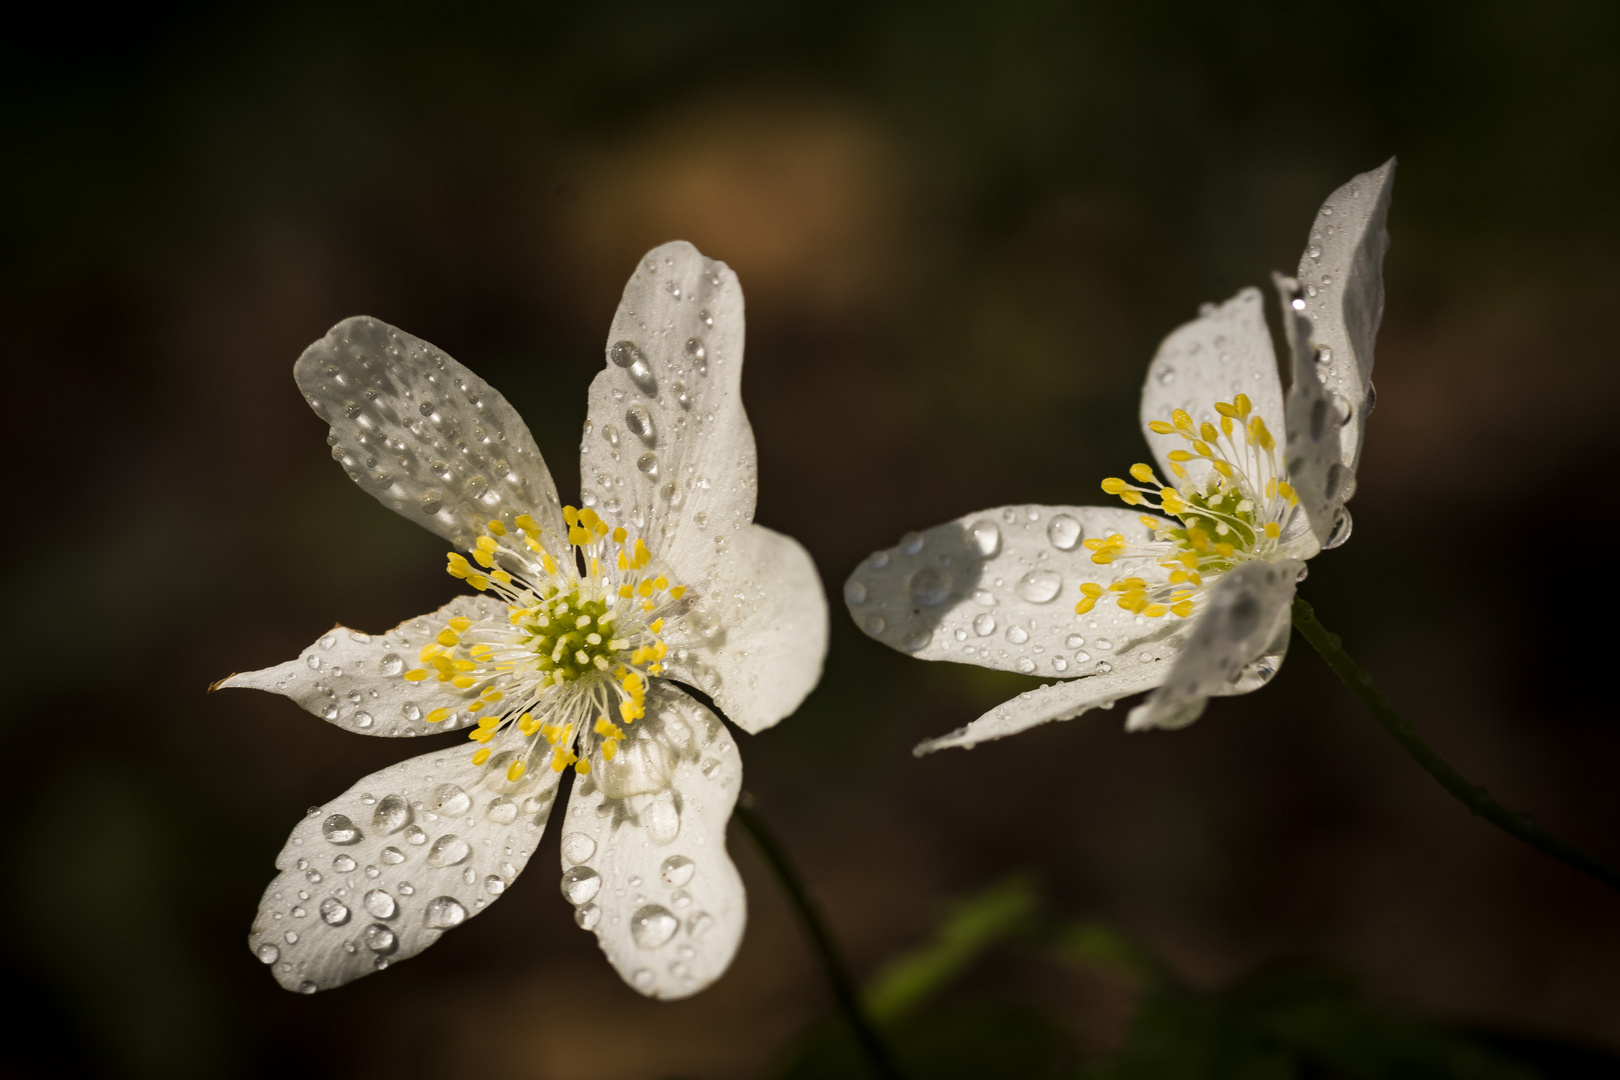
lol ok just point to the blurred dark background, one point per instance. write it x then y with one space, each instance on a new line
962 229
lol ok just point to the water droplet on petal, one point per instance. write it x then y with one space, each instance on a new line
392 856
1064 532
580 884
984 625
307 987
917 640
333 912
1074 641
380 904
392 814
677 870
501 810
343 864
661 818
1017 635
577 847
391 664
648 465
875 623
448 850
587 916
1026 665
432 502
379 938
912 543
653 926
444 912
640 423
450 800
1039 586
929 586
986 537
1340 531
854 592
267 953
340 830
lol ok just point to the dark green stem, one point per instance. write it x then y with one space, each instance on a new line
821 942
1470 795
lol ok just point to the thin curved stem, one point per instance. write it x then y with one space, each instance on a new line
1469 794
821 942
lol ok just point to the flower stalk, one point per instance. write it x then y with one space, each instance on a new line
1471 795
832 963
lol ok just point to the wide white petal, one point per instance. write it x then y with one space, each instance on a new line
1232 647
998 589
353 679
377 874
667 451
1342 275
1224 352
1057 701
754 641
644 850
427 437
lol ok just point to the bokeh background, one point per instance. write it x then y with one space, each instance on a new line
962 229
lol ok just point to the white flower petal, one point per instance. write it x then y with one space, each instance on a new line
644 850
998 589
1312 448
423 434
1341 273
1224 352
1232 647
1057 701
668 452
354 679
377 874
754 641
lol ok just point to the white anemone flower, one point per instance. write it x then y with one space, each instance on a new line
1192 600
565 658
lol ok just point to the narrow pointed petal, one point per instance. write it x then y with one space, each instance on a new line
1312 451
379 873
431 440
756 638
1237 630
668 452
1341 274
1056 701
357 682
644 850
998 589
1224 352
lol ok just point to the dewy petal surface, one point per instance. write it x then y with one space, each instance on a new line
1224 352
379 873
1312 448
353 679
1342 275
998 589
755 640
424 435
668 452
1058 701
644 850
1246 613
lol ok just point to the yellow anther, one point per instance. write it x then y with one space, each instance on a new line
1226 409
610 747
479 651
1226 426
488 722
502 576
476 706
561 758
1142 472
428 652
1225 551
1113 485
1150 523
1179 455
483 558
1222 467
579 537
1287 492
478 581
619 535
436 716
1131 498
589 519
481 734
516 770
646 588
491 694
1085 605
1183 422
1159 427
1178 577
1259 435
448 638
627 591
460 624
677 592
643 556
624 563
415 676
1179 471
1207 432
1244 406
1183 609
1154 611
463 682
582 766
571 516
549 563
526 523
656 626
481 756
486 543
605 727
1202 448
660 582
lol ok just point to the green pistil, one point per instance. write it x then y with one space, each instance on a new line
562 617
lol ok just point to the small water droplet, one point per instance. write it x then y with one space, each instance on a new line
340 830
1074 641
392 814
450 800
677 870
577 847
1017 634
986 537
929 586
1026 665
875 623
343 864
648 465
1060 664
379 938
700 924
494 884
580 884
661 818
362 719
912 543
448 850
307 987
643 978
1166 375
431 502
330 712
444 912
917 640
412 711
501 810
268 953
380 904
653 926
1039 586
984 625
1082 656
587 916
1103 643
334 912
391 664
1064 532
1340 531
854 592
640 423
392 856
696 351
